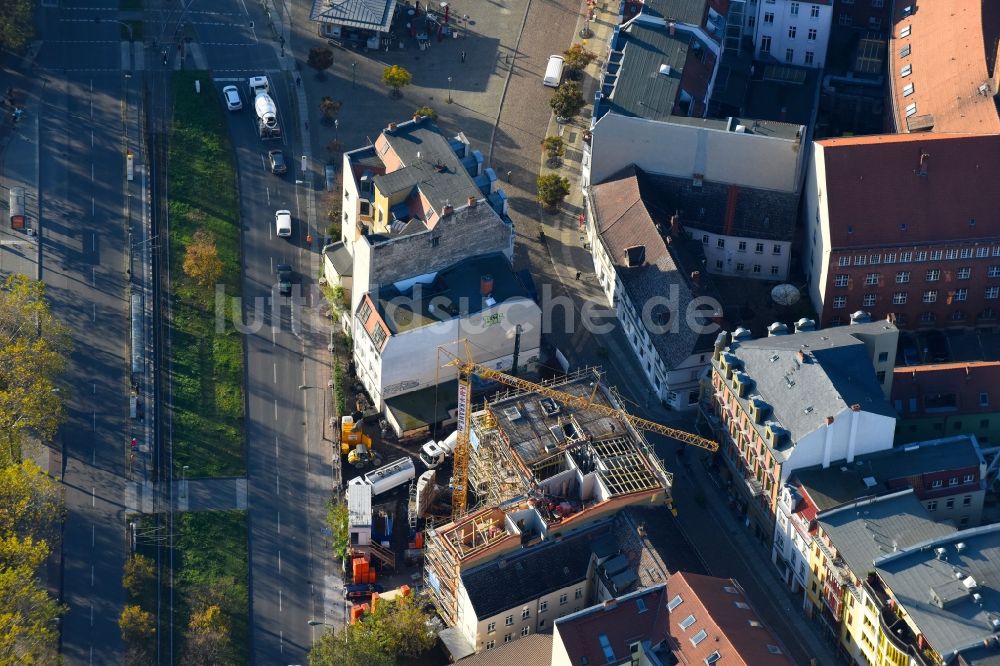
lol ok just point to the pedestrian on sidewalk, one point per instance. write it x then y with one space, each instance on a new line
463 56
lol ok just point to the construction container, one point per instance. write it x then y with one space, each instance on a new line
357 611
419 541
360 570
406 590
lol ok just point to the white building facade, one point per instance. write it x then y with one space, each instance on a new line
792 32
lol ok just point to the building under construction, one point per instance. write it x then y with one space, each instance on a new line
541 470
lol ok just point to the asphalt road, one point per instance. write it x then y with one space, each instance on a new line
83 264
286 467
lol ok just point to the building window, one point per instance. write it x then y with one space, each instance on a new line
699 637
982 252
869 300
791 32
525 630
509 620
491 644
933 275
759 248
988 314
811 35
712 658
814 11
774 270
756 268
992 293
578 594
902 277
967 500
907 70
961 294
984 399
953 481
958 315
932 506
878 4
765 44
936 483
840 302
768 18
889 257
936 255
963 273
543 606
526 613
841 280
845 19
562 599
911 109
704 239
899 298
905 257
860 260
793 9
951 254
776 249
740 267
810 56
844 261
927 318
718 264
720 243
993 271
508 638
930 296
966 252
908 89
883 357
871 279
903 52
905 32
491 627
742 246
686 622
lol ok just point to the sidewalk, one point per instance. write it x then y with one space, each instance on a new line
20 251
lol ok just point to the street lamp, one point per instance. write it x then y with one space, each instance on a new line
449 90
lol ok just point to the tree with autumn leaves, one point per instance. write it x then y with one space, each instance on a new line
201 260
398 628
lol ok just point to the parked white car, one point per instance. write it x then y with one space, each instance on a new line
283 223
232 97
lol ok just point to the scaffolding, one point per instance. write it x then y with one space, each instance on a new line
492 472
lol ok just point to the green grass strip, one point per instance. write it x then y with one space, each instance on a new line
207 365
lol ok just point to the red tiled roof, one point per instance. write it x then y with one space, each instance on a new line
934 184
951 48
533 650
621 621
738 634
966 380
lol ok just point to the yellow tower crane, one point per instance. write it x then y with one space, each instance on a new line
468 368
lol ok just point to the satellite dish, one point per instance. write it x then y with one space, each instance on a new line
785 294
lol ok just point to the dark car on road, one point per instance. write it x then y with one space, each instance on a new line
284 279
276 162
937 346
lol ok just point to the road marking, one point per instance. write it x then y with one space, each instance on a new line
93 497
92 575
275 409
279 522
276 483
95 388
273 334
91 166
95 421
93 242
91 138
93 535
93 206
93 456
275 376
279 599
93 276
95 312
279 561
271 259
267 190
91 613
91 655
276 448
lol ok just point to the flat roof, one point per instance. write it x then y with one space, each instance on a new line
367 14
340 257
455 291
425 407
962 625
869 474
691 12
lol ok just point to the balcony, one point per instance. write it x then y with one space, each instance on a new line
894 628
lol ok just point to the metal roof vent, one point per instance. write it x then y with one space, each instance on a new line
960 546
511 413
939 553
665 70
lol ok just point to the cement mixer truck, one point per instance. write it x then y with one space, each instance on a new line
263 104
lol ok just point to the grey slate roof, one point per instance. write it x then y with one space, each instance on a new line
509 582
623 221
367 14
832 486
683 11
837 374
758 213
962 626
438 172
866 530
340 257
639 89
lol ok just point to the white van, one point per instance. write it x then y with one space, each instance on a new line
283 223
553 72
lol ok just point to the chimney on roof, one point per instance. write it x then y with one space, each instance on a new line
610 603
447 210
486 285
801 356
829 420
696 277
925 159
675 225
391 127
855 407
471 201
672 28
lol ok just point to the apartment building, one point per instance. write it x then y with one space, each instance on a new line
850 541
946 475
905 227
669 329
479 301
787 402
792 32
942 67
940 399
858 18
414 203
